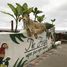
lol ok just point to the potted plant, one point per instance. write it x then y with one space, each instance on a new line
36 12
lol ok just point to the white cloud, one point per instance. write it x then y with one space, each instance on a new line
51 8
57 9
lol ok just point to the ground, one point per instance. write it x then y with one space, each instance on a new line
53 58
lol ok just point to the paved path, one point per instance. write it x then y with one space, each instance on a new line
54 58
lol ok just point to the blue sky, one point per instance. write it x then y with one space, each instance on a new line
51 8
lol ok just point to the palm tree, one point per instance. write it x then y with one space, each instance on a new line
40 18
49 25
36 12
27 10
15 14
53 20
24 10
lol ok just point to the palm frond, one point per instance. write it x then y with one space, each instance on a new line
8 14
39 11
13 9
19 9
30 10
25 6
36 11
40 18
53 20
48 25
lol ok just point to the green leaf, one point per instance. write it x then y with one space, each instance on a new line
18 5
16 63
8 14
36 11
30 10
13 9
25 6
48 25
39 11
40 18
19 9
53 20
25 11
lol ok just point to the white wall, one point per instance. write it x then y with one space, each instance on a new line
18 50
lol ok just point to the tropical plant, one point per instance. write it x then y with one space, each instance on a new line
40 18
27 10
15 14
48 25
19 63
24 10
53 20
36 12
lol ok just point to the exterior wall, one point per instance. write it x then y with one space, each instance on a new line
28 49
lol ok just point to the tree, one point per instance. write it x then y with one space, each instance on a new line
24 10
40 18
36 12
15 14
17 11
49 26
53 20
